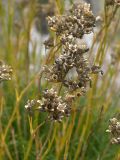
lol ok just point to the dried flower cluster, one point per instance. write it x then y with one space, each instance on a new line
69 29
114 129
54 105
5 72
78 22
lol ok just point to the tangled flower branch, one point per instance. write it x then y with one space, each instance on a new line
70 29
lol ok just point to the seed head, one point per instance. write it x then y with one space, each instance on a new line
56 107
78 22
70 28
49 43
5 72
114 129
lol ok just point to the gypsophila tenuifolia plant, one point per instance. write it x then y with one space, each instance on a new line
70 29
114 130
35 100
5 72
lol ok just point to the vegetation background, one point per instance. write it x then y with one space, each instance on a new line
82 136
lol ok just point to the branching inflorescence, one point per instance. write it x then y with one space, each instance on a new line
69 29
5 72
54 105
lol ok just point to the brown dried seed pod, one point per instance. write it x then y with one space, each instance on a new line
114 129
49 43
5 72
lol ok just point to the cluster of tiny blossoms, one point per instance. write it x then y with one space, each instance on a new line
79 21
54 105
114 129
5 72
69 29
